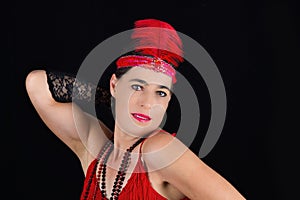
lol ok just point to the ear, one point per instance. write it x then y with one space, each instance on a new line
113 84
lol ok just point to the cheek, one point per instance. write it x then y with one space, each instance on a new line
157 111
164 102
160 107
123 96
133 100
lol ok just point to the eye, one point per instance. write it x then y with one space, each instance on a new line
137 87
161 93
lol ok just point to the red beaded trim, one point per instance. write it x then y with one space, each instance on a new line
155 64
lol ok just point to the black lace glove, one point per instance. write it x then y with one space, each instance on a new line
64 87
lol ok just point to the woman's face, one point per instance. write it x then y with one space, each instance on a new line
141 99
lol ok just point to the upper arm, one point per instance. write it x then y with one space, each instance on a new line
66 120
180 167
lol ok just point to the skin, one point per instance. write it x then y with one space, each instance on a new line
144 91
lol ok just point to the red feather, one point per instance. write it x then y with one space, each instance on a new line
162 41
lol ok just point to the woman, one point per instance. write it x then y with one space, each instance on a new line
137 160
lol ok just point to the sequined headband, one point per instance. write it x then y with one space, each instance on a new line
152 63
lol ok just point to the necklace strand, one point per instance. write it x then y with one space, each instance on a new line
120 177
102 152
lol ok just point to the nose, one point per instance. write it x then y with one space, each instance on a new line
146 106
147 100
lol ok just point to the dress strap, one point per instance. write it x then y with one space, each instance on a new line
140 151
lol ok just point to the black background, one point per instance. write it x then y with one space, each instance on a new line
255 45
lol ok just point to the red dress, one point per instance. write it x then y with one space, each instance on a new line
138 186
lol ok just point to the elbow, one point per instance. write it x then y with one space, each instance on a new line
33 81
36 86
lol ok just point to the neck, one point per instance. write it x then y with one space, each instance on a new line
123 141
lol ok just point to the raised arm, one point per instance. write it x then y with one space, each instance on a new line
51 95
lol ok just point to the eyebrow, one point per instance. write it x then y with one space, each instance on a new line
145 83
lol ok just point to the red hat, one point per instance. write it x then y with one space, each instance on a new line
158 45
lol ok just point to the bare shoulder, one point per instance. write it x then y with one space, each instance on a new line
157 141
178 166
161 150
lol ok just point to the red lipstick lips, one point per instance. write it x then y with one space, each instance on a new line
141 117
